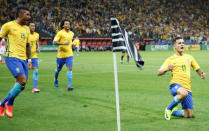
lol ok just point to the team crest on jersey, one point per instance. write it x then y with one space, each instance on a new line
188 60
14 29
17 70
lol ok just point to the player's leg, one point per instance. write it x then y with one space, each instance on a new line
69 65
179 94
60 63
186 102
187 105
78 50
1 59
127 58
123 54
2 56
188 113
35 75
0 53
19 70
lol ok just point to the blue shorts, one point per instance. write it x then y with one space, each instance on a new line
34 62
68 61
173 88
75 49
17 66
187 103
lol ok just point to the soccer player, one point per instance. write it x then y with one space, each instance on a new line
2 50
76 42
180 86
18 50
33 40
65 55
124 51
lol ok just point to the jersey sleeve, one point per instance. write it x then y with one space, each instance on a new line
57 37
165 64
194 64
4 30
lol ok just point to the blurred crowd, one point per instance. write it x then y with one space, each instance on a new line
153 19
161 19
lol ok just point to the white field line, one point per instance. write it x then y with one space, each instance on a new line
93 64
82 73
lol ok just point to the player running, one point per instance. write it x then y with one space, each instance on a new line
65 55
76 42
2 50
16 34
180 86
33 40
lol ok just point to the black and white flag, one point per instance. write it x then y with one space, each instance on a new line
121 41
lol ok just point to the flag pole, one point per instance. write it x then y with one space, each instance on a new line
116 90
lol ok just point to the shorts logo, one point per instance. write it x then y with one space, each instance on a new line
17 70
176 87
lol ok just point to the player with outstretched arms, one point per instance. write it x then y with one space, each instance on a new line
180 86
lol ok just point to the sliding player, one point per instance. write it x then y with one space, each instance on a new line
180 87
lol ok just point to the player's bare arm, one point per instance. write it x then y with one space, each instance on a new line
163 71
28 53
37 47
201 73
60 43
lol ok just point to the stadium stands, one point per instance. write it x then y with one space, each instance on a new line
155 19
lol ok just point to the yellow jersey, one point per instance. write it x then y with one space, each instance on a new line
33 40
63 36
181 69
76 42
17 38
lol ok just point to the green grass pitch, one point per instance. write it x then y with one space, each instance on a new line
91 106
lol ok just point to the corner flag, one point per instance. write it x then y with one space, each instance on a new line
121 41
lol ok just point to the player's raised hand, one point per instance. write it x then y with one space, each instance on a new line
170 67
203 75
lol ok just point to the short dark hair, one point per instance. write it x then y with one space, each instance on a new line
31 21
21 10
63 22
176 37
